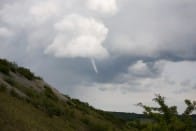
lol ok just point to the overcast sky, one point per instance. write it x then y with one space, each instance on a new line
109 53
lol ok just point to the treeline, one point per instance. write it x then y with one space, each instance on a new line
165 118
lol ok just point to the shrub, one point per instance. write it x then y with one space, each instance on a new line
82 106
4 69
167 118
51 107
30 92
26 73
49 93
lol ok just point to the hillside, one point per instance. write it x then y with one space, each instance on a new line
28 103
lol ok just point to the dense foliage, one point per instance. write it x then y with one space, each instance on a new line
8 67
165 118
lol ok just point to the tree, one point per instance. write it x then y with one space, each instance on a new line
165 118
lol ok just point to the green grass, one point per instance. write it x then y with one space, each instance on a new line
45 114
19 115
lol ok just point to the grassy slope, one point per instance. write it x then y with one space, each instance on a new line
44 111
19 115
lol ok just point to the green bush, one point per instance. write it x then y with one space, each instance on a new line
82 106
165 118
26 73
49 93
52 108
6 67
5 70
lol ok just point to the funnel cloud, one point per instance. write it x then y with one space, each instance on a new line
94 65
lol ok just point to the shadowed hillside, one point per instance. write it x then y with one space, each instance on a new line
29 103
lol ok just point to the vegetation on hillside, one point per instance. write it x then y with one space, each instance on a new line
23 107
165 118
42 113
7 67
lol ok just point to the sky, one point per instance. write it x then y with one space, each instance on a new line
112 54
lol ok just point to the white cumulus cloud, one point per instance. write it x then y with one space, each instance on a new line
79 36
139 67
